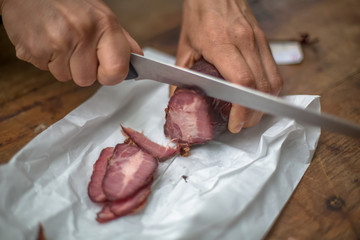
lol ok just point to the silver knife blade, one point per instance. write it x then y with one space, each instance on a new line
147 68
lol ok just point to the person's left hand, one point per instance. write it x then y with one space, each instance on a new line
226 34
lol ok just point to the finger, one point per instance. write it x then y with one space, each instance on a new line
172 89
134 46
186 56
245 40
271 69
233 67
83 64
37 58
60 67
113 54
239 112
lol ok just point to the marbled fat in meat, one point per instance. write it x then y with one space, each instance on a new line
194 118
128 170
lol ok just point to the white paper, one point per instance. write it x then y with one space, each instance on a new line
287 52
235 188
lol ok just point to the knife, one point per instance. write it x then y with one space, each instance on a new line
145 68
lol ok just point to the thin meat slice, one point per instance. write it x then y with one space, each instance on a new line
105 214
128 170
116 209
194 118
95 190
132 204
158 151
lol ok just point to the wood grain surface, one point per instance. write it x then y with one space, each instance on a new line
326 203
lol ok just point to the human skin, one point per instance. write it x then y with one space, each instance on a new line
226 34
80 40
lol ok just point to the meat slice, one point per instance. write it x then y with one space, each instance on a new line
95 190
116 209
128 170
105 214
133 204
158 151
194 118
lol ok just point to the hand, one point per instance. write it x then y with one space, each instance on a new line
73 39
227 35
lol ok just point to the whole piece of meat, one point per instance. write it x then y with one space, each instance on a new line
194 118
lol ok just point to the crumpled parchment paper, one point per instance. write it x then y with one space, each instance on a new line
231 188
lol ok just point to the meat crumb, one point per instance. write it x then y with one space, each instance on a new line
185 178
41 234
185 150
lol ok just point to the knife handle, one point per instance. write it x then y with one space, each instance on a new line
132 73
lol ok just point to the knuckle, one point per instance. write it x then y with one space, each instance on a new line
277 84
108 21
35 55
37 52
264 85
259 33
246 79
62 39
117 69
244 33
21 53
113 73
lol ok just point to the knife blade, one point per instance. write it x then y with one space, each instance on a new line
142 67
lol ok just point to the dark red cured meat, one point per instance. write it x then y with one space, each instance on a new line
128 170
191 118
95 190
158 151
105 214
194 118
133 204
116 209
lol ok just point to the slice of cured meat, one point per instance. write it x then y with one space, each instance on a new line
105 214
121 179
95 190
128 170
194 118
158 151
116 209
133 204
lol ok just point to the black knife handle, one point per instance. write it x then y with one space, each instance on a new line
132 73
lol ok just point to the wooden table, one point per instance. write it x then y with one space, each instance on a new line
326 203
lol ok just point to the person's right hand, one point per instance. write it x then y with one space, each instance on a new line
73 39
